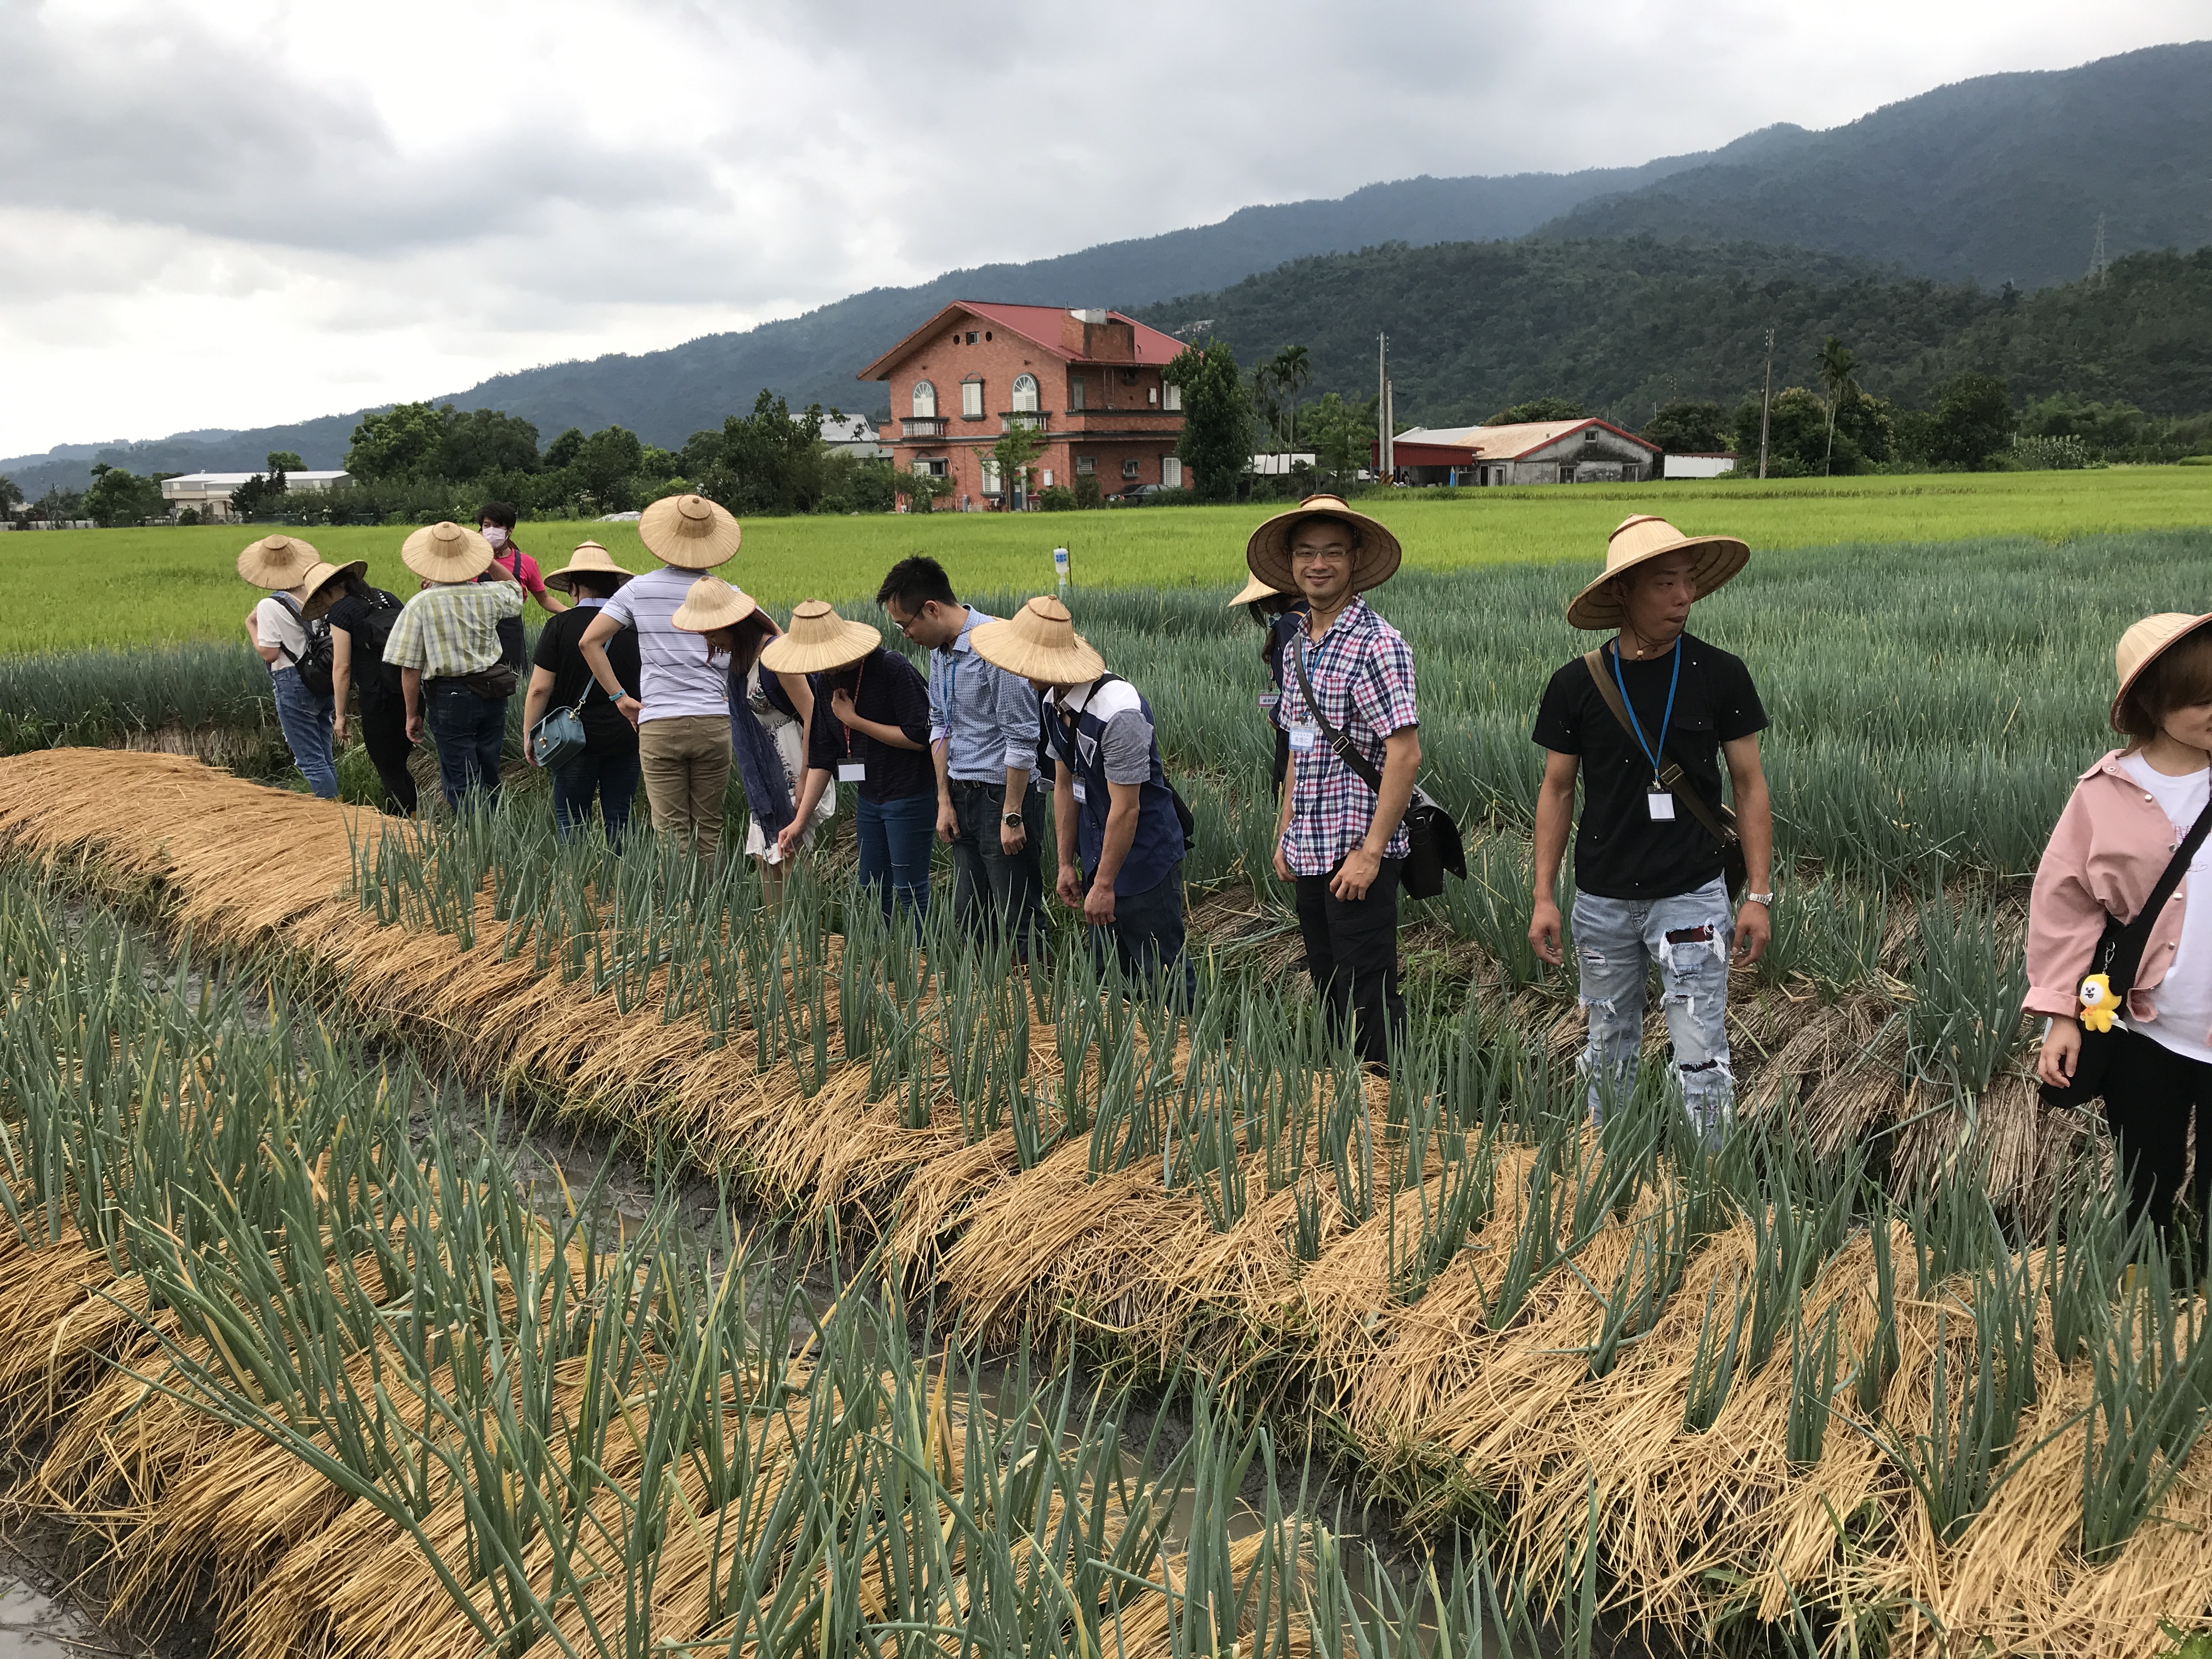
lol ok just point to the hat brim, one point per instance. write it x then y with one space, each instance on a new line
324 594
1721 559
257 569
1255 590
1002 645
560 579
1267 554
2112 716
657 527
853 640
693 618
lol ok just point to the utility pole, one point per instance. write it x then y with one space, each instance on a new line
2097 255
1383 405
1390 429
1765 402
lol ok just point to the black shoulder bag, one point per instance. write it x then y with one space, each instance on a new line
1719 822
1432 837
2118 957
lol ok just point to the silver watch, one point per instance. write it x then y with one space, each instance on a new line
1767 899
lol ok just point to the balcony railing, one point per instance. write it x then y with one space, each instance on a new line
922 426
1034 419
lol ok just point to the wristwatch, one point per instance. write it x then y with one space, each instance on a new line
1012 819
1766 899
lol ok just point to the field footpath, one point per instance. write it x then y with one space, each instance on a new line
1510 1418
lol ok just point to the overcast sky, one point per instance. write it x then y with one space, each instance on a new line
228 215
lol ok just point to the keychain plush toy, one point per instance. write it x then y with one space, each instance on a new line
2099 1005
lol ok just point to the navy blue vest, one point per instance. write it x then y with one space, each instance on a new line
1158 847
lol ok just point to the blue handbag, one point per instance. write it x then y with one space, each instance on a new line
559 737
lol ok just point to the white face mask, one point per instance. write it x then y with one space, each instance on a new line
496 536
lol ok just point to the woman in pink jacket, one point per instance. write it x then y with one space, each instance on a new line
2128 818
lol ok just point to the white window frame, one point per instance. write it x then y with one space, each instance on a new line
924 400
987 468
1171 471
1172 398
971 400
1078 393
1026 394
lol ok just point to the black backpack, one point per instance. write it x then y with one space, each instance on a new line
314 667
379 611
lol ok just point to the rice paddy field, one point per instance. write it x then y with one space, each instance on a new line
1868 1377
78 588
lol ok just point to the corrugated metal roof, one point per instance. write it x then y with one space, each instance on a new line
1509 443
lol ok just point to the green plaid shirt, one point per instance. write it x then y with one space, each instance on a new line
452 629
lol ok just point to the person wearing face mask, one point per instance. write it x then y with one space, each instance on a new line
496 523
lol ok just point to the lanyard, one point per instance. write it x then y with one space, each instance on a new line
1673 679
858 674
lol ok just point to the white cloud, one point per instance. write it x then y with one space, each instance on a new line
236 212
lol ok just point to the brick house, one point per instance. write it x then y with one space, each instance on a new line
1535 453
1089 381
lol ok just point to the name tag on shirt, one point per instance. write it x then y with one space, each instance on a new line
1302 736
1660 803
1269 699
1080 795
857 772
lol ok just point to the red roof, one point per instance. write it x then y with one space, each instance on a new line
1040 325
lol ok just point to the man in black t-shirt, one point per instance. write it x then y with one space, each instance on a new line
1649 875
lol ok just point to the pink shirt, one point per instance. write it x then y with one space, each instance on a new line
523 569
2113 842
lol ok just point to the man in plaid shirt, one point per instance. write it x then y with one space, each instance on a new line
1346 672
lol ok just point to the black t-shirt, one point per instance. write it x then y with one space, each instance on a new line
1621 851
605 730
376 683
891 694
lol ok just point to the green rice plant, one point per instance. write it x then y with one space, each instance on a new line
1492 907
1712 1367
1535 1249
1828 930
2085 1242
1964 1021
1812 1386
2150 1395
1658 1255
1879 1362
1801 1222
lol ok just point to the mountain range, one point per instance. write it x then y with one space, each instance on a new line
1999 179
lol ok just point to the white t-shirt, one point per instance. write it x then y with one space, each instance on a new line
273 625
2183 997
675 676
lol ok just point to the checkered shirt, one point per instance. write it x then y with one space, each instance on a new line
450 629
1363 674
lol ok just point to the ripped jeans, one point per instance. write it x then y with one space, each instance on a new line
1616 942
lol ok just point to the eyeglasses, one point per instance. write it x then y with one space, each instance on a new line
907 627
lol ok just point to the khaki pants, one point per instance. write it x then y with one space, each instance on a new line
686 762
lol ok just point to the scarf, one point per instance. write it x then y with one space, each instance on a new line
760 763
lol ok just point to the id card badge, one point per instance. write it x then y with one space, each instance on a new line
857 772
1302 738
1080 796
1660 803
1269 699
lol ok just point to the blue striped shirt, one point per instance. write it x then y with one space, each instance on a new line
988 717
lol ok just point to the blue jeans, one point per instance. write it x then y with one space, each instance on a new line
306 721
468 729
1148 932
895 838
611 779
1616 942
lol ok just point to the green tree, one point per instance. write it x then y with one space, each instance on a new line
404 442
1683 426
770 461
12 493
1217 418
1796 434
479 442
1292 370
117 497
258 495
1973 420
607 462
284 461
1537 409
1837 363
1342 434
1265 409
1014 453
561 451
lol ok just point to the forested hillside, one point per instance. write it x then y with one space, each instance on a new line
2000 179
1623 326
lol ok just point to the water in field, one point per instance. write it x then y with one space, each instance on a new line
40 1620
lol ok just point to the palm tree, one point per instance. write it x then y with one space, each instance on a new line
1263 398
1836 365
1293 372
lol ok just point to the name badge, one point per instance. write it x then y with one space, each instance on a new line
1080 795
1269 699
1660 803
1302 736
857 772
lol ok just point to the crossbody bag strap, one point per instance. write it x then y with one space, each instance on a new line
1670 773
299 617
1337 740
2127 949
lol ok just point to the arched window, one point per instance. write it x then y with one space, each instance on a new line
925 400
1025 393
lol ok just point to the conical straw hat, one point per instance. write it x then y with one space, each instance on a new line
447 552
712 603
1039 642
589 559
322 586
276 561
1639 539
1267 555
689 532
818 639
1255 590
2144 643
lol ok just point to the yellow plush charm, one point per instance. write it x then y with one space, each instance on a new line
2098 1004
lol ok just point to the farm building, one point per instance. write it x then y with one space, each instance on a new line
1699 466
209 492
854 436
1534 452
1088 381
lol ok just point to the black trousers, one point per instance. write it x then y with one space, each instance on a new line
2151 1096
1352 951
384 733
